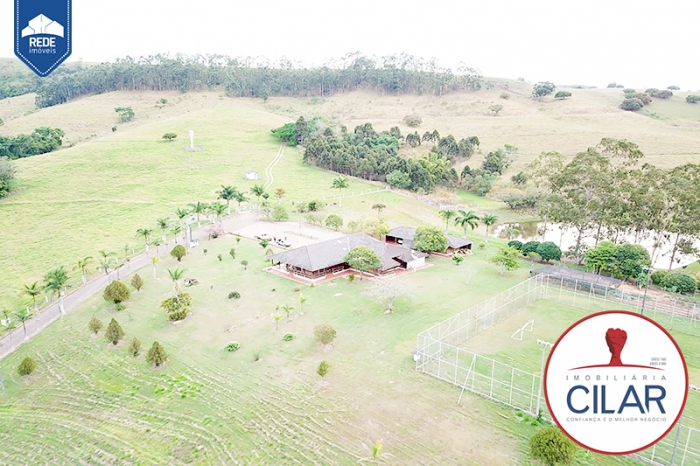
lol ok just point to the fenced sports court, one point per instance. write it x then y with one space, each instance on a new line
443 349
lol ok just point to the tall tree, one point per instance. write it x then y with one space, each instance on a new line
218 209
447 214
379 207
488 220
198 208
240 198
227 193
154 261
363 260
163 224
56 282
23 316
176 275
258 190
340 183
32 291
83 265
146 233
467 219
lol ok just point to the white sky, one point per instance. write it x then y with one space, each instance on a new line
635 43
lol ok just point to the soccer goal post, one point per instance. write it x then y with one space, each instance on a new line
518 334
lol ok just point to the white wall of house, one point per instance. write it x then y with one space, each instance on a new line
416 263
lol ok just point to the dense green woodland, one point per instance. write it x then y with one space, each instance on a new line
245 77
367 154
41 141
606 191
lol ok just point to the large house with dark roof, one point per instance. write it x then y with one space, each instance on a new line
404 236
328 257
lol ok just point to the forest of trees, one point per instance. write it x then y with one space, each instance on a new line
373 155
244 77
41 141
606 192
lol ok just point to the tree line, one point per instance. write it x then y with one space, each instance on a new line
248 77
41 141
374 156
606 192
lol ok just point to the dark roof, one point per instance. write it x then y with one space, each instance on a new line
407 234
559 272
318 256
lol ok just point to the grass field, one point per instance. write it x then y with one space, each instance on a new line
93 196
94 404
552 318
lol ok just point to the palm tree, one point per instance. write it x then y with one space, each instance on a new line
287 310
176 230
23 315
57 282
163 224
175 275
276 318
467 219
302 300
105 261
340 183
447 214
218 209
378 208
227 193
198 208
82 265
32 291
181 214
488 220
154 261
240 197
258 190
146 233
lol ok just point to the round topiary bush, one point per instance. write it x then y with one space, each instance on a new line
288 337
681 282
27 366
530 246
233 346
516 244
234 295
658 277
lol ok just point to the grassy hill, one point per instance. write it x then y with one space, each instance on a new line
94 195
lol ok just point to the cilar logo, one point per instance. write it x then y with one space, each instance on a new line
43 33
616 382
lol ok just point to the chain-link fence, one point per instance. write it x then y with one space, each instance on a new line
439 353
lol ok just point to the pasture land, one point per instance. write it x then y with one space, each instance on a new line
92 403
71 203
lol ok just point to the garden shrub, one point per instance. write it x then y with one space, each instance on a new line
233 346
530 246
516 244
27 366
288 337
658 277
324 333
681 282
234 295
323 368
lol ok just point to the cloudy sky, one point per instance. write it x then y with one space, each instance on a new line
636 43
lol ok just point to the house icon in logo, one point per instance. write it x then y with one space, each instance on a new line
42 25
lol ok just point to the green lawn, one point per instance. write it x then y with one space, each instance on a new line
95 196
93 402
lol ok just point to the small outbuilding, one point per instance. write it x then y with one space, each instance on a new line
251 175
404 236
